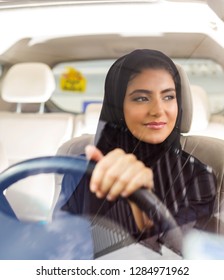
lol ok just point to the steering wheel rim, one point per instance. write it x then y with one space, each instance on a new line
145 199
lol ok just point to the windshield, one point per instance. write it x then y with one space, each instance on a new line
81 83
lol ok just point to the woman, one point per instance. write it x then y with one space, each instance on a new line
138 145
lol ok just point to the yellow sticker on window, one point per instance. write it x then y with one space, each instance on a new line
72 80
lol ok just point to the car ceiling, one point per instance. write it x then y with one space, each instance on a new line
56 50
53 51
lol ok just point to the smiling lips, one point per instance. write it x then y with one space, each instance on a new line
155 125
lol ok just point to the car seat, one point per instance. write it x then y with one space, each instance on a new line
203 122
4 159
32 133
87 122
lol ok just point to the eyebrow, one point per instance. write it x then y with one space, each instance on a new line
146 91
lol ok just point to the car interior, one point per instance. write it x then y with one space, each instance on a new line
51 85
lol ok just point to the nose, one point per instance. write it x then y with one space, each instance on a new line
156 108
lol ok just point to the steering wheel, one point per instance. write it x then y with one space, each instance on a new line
146 201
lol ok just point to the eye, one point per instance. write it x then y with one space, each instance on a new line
169 97
141 99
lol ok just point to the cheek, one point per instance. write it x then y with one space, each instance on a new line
132 116
129 119
173 112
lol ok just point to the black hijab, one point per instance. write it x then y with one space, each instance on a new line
112 131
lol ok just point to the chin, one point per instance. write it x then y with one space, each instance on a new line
154 141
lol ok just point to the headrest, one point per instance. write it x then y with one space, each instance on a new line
201 108
28 83
187 106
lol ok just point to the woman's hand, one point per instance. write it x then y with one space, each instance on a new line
117 174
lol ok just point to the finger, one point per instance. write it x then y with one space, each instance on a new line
143 178
114 180
100 171
93 153
122 185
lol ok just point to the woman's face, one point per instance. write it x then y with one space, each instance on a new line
150 105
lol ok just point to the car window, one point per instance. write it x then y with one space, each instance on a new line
82 82
209 75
